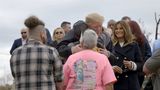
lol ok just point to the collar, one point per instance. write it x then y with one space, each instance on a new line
33 41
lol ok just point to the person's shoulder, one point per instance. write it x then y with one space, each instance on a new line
49 47
69 35
133 43
18 39
17 49
106 32
95 53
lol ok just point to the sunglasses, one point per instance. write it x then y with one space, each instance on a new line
23 32
58 32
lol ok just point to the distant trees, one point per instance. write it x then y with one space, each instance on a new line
157 19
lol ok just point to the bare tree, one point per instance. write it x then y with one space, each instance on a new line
157 24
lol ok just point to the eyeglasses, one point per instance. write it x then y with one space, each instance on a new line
58 32
23 32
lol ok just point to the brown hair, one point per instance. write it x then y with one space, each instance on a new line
32 21
111 22
125 18
64 23
136 30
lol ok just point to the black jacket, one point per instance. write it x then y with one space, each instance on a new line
72 38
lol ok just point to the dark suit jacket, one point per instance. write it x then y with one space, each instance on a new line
16 44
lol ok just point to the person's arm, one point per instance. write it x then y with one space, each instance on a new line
145 70
109 47
11 66
108 79
153 63
66 72
63 47
59 86
109 86
137 64
14 46
57 70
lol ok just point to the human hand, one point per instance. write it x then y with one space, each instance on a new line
76 48
104 51
117 69
127 64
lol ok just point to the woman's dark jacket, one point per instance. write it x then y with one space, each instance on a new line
127 80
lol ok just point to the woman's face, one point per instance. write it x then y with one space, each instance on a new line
119 32
59 34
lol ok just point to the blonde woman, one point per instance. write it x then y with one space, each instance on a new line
128 58
58 35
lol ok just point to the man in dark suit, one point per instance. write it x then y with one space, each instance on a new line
20 41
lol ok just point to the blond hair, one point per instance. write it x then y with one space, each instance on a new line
59 28
128 36
94 17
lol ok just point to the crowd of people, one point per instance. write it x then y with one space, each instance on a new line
87 56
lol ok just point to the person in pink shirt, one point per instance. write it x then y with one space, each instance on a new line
88 69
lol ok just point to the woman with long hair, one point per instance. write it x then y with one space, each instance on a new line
128 58
143 44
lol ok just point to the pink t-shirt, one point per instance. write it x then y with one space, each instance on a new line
87 70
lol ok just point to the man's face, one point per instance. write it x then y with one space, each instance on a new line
97 27
67 28
24 33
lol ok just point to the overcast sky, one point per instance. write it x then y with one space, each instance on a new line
53 12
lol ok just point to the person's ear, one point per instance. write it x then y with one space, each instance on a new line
43 39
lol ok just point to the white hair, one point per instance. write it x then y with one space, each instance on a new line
89 39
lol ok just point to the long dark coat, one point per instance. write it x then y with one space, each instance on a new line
127 80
